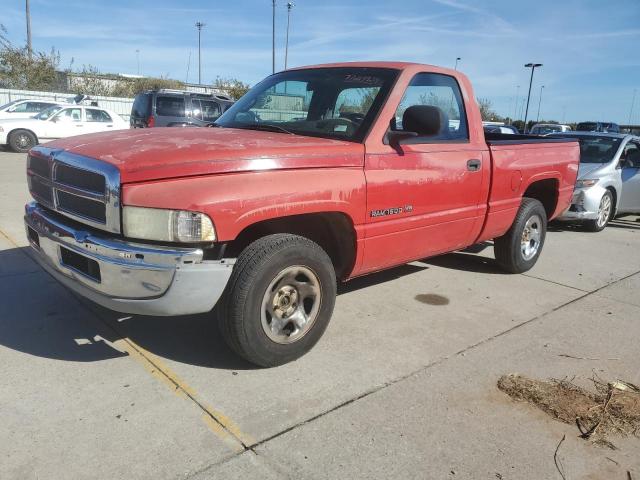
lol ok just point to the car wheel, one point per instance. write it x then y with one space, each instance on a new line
279 299
605 211
518 249
22 141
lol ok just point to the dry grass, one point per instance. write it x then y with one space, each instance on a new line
612 409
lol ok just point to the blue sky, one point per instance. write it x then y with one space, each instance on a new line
589 48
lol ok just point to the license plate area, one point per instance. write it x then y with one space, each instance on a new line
81 264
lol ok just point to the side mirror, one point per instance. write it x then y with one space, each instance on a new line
396 137
55 119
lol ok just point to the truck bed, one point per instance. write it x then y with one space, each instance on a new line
520 161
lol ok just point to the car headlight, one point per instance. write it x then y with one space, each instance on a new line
1 129
167 225
586 183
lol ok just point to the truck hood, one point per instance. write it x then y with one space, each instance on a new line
159 153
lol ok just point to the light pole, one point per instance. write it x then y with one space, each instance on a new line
290 5
273 38
28 15
539 102
199 26
138 60
457 60
532 66
633 101
515 110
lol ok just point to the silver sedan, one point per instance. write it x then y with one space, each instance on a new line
608 181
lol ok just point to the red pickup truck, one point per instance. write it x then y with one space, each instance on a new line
317 175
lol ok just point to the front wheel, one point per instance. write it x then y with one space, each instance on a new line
518 250
605 211
279 299
22 141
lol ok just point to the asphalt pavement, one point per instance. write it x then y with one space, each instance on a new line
402 385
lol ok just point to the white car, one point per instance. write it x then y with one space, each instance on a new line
547 128
60 121
25 108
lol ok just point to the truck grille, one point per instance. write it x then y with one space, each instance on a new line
84 189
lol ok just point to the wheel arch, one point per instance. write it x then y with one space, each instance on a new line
333 231
11 132
546 191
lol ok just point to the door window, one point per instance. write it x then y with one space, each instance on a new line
206 110
21 108
95 115
443 93
167 106
631 156
69 115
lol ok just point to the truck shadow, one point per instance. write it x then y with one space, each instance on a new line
40 317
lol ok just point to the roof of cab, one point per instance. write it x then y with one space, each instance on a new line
380 64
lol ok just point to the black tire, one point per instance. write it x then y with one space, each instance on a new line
22 141
508 249
598 224
240 311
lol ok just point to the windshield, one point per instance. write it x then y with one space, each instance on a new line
338 103
546 129
7 105
48 112
597 149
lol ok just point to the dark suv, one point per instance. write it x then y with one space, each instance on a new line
604 127
176 108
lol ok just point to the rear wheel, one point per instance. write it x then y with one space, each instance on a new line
518 250
279 299
22 141
605 210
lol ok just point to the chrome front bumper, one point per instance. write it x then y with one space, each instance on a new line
124 276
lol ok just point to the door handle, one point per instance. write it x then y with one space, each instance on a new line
473 165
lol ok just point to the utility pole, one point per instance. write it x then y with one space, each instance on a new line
199 26
290 5
273 38
633 101
28 14
515 110
138 59
539 102
532 66
457 60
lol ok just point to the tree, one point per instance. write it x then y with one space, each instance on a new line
486 110
130 87
20 70
234 87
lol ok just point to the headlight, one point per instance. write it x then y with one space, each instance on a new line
1 129
586 183
167 225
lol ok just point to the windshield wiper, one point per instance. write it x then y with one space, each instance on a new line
267 127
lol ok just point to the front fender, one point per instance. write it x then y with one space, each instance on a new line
238 200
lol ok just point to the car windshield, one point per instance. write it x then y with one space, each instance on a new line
595 149
47 112
7 105
338 103
546 129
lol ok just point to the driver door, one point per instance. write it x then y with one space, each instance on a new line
630 197
66 123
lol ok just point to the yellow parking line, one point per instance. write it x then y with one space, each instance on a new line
219 423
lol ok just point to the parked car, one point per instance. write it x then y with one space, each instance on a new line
604 127
176 108
608 179
261 217
59 121
507 129
548 128
24 108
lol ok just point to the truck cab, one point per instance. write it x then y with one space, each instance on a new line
316 176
